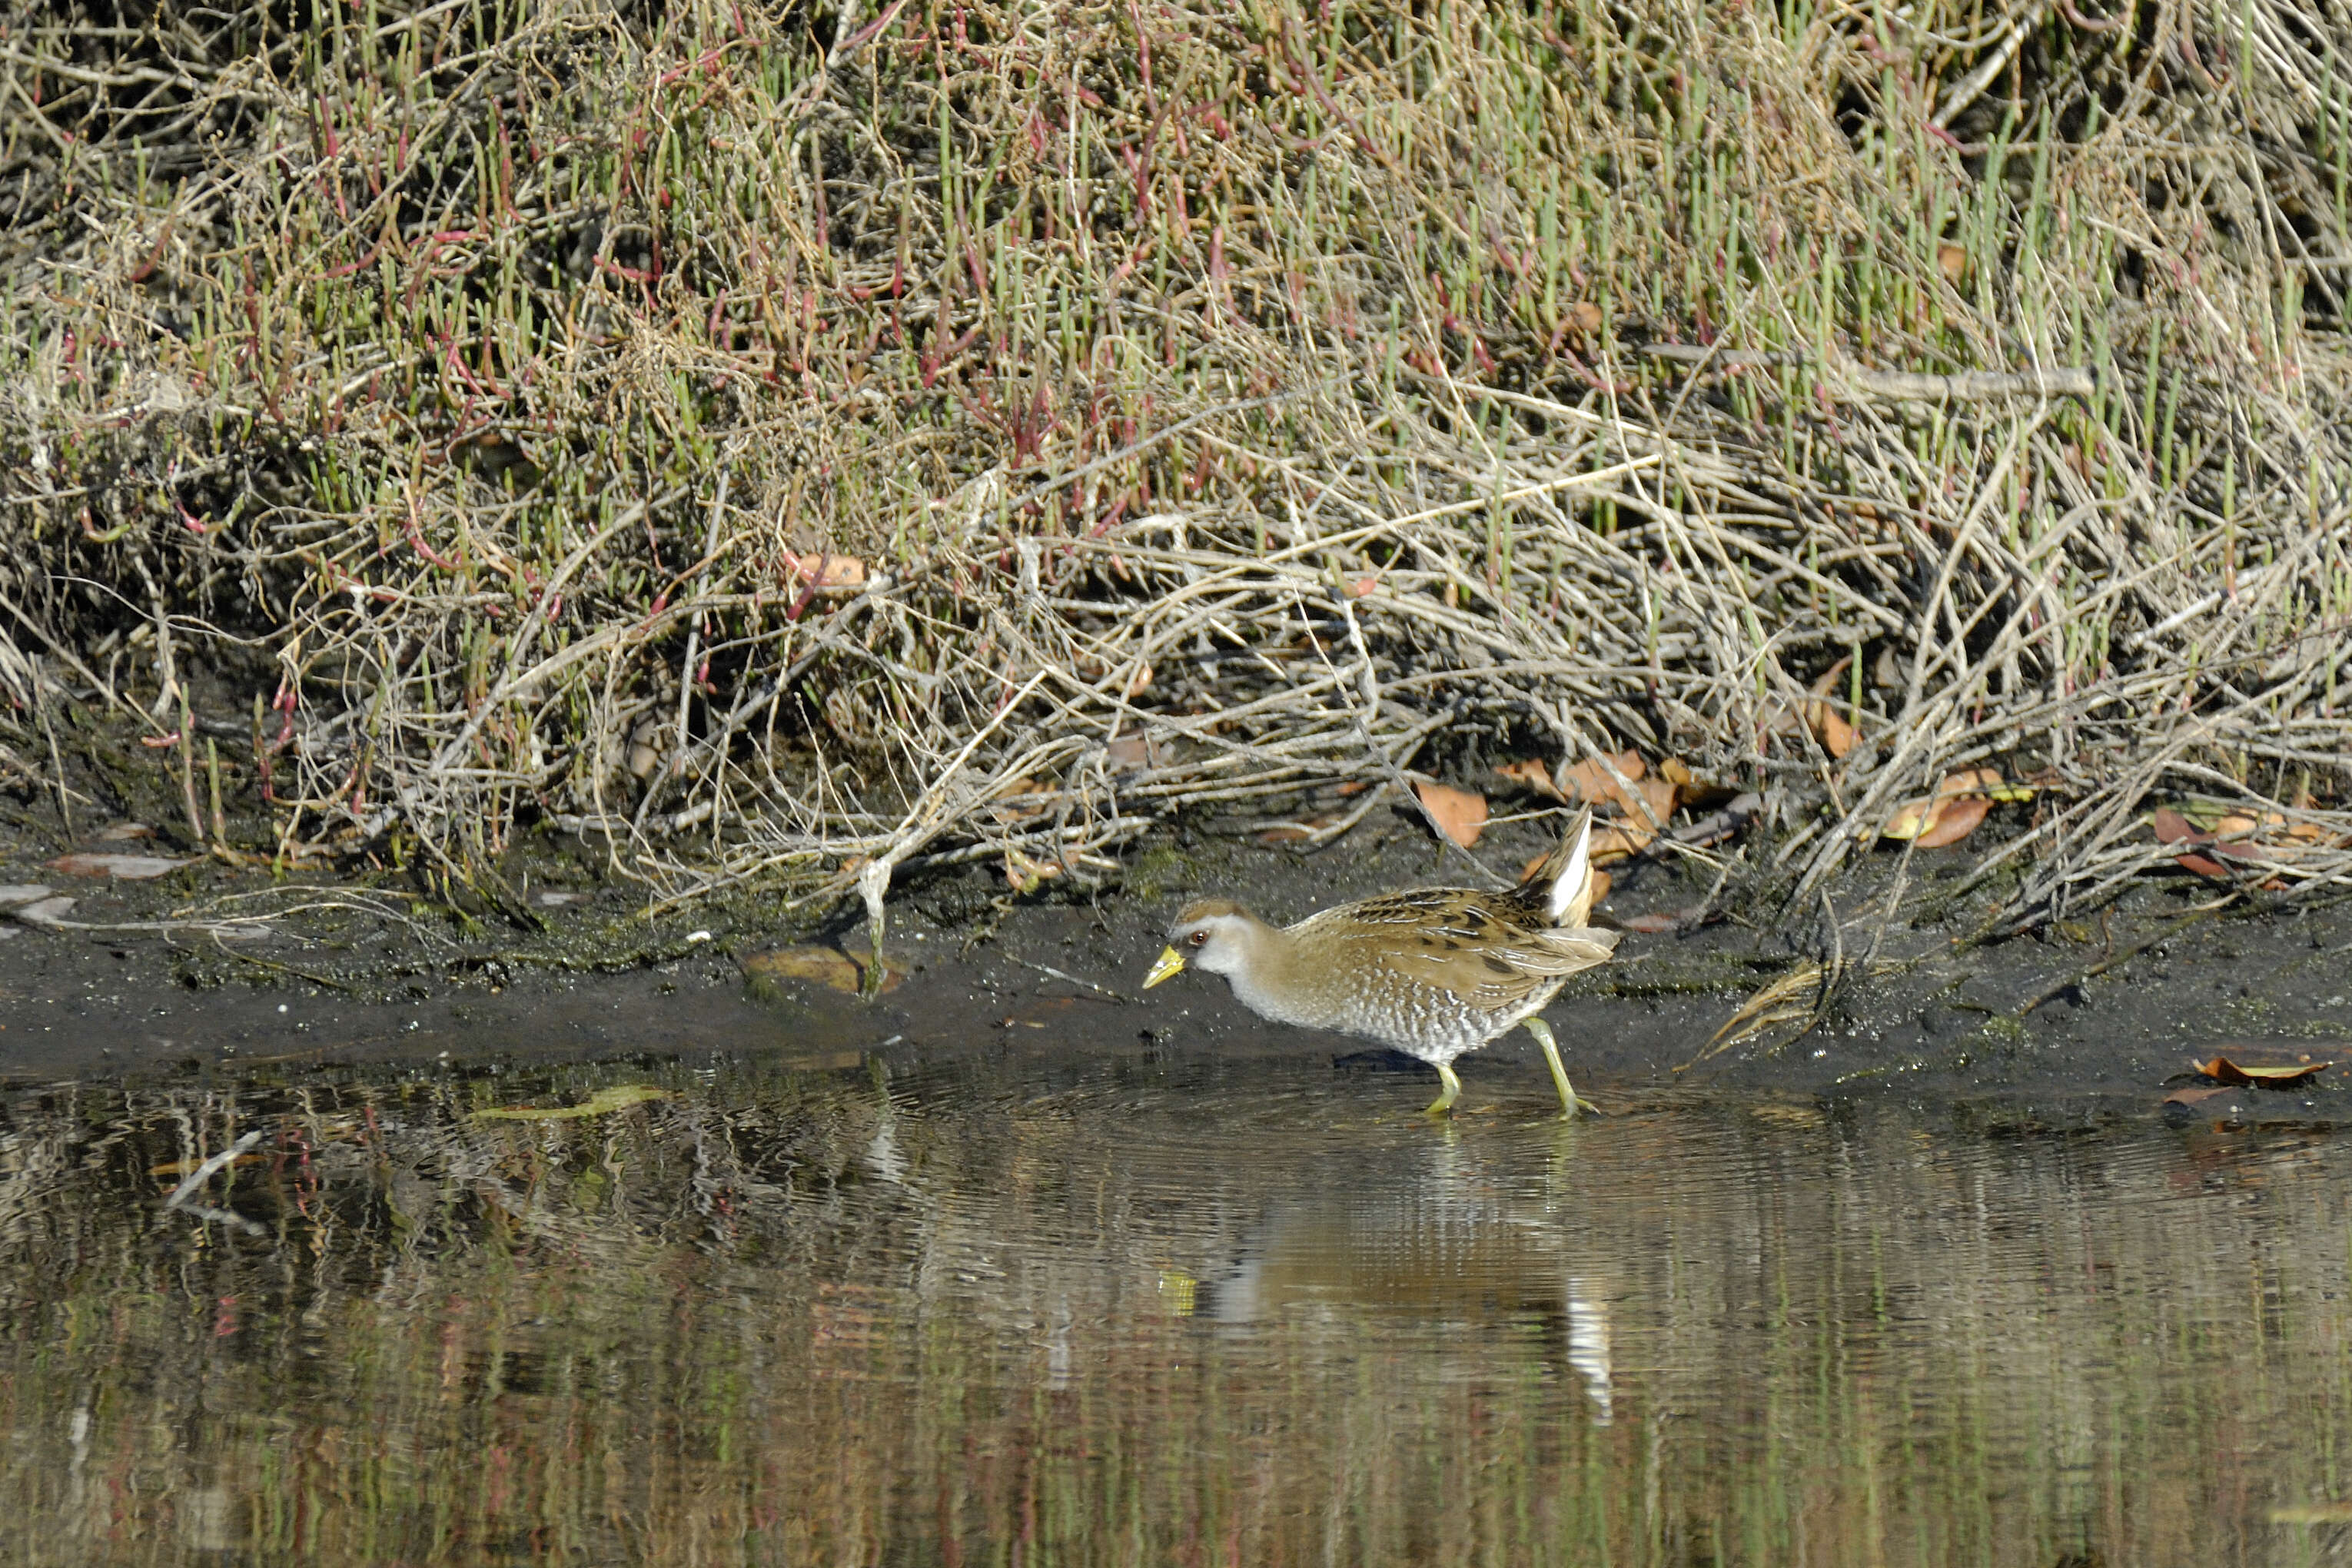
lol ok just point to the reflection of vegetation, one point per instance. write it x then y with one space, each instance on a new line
784 1317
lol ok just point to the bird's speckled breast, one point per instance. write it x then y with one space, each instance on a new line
1374 1001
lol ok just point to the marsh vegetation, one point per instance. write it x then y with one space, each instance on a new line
790 446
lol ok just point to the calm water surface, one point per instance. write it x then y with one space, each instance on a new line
1137 1312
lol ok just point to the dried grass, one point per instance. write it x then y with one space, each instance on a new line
793 454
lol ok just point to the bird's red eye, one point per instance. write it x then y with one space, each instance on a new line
1199 937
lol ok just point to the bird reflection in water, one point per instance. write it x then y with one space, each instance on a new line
1446 1243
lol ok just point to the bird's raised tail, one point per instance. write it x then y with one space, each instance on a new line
1561 881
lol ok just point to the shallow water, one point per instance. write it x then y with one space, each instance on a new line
1003 1310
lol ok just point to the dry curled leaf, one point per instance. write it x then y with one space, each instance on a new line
1830 728
1589 781
1460 813
1655 803
2171 827
1955 820
1619 841
2277 836
1961 801
1530 774
1988 783
2223 1070
1690 790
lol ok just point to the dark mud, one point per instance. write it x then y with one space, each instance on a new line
2086 1019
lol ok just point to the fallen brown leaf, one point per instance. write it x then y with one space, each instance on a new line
1960 801
1829 727
2269 829
1912 819
1954 821
1837 737
2191 1096
1988 783
1461 814
2223 1069
1656 794
1952 261
1649 925
1589 781
1584 318
1293 832
1531 775
1618 841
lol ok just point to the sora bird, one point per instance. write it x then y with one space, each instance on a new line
1431 973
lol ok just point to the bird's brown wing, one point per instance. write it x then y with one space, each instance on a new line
1465 943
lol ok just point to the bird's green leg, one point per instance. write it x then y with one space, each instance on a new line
1444 1104
1569 1103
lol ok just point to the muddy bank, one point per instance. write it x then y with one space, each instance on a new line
210 968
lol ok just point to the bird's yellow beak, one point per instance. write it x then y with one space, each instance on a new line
1170 962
